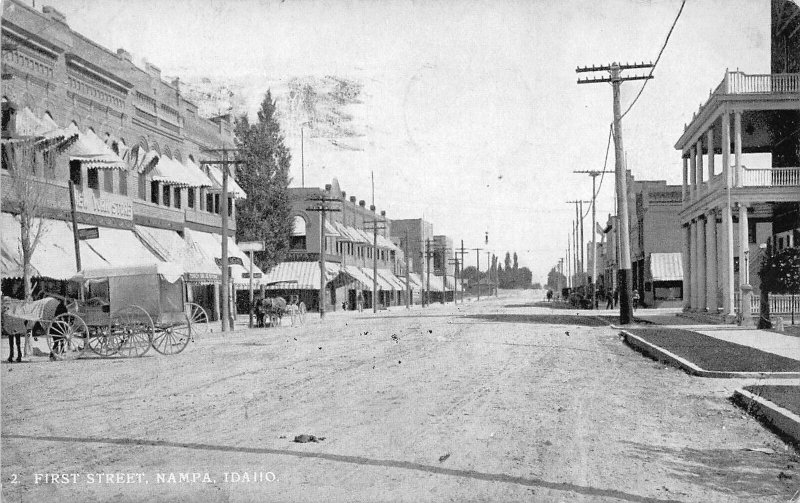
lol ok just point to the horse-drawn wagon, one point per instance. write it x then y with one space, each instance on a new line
126 311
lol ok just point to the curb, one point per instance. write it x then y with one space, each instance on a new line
660 353
774 416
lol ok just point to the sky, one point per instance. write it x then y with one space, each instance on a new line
469 113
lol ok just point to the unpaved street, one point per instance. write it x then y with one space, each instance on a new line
489 401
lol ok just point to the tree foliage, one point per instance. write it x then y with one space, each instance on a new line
780 271
264 176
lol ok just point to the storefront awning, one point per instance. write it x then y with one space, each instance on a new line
215 174
211 246
121 248
172 172
197 174
170 246
389 276
46 132
354 274
92 152
298 276
54 256
382 283
666 266
416 281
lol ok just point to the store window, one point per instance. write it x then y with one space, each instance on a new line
108 180
190 197
154 192
123 182
298 238
93 179
166 191
178 197
75 173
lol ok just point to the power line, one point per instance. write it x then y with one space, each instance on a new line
652 69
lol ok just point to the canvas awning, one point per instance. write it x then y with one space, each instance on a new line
121 248
195 172
92 152
54 256
355 274
383 284
46 132
350 234
172 172
215 174
170 246
666 266
416 281
389 276
298 275
331 230
211 246
170 271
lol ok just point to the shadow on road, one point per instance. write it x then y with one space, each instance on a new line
544 319
359 460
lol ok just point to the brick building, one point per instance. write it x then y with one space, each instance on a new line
132 146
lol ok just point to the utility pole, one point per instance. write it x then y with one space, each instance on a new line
615 78
578 241
427 272
375 228
443 250
454 261
594 174
227 318
478 265
489 272
408 281
462 251
322 207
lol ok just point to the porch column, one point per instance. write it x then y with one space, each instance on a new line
710 147
701 264
727 221
685 191
744 268
687 264
700 184
693 263
737 145
693 172
711 261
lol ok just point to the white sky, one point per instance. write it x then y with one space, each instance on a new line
472 113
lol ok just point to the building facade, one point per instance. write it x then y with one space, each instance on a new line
730 211
77 114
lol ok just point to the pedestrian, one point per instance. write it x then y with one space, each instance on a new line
260 312
360 301
635 299
609 300
616 297
549 296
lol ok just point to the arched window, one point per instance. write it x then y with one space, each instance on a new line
298 241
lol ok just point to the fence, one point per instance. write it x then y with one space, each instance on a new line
778 304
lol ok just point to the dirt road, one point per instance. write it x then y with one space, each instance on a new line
479 402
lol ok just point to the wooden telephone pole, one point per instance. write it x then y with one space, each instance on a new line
322 207
227 318
408 279
594 174
616 79
462 251
478 266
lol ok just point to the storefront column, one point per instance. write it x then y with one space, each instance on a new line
687 267
727 221
693 173
685 191
710 147
711 262
701 264
693 249
744 268
701 186
737 146
217 301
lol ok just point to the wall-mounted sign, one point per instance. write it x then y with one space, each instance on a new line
88 233
250 246
256 275
231 261
106 205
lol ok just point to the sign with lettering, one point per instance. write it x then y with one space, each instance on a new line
256 275
250 246
231 261
105 204
89 233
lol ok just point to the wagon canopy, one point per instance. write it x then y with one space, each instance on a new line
169 271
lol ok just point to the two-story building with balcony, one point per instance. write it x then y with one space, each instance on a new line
92 137
730 210
345 247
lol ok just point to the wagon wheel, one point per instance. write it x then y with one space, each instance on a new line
301 313
133 328
172 339
66 336
104 342
198 320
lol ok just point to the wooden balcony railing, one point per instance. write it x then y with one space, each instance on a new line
741 83
771 177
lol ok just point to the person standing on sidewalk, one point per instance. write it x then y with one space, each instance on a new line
635 299
360 301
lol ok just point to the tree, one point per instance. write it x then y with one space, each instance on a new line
28 200
266 213
507 261
779 273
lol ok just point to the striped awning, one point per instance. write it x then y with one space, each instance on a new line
666 266
389 276
173 172
297 275
215 174
90 150
171 247
211 246
45 131
382 283
416 281
353 274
